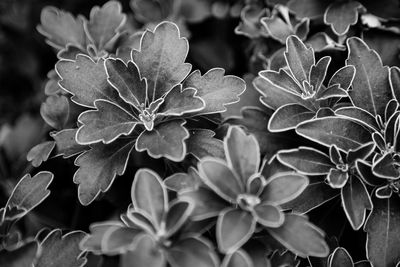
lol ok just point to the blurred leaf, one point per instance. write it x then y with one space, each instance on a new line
40 153
238 258
340 16
55 111
23 256
202 143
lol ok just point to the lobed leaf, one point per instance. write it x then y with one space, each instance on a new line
340 16
202 143
40 153
66 144
99 166
55 111
180 101
215 89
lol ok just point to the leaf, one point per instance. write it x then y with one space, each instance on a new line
40 153
283 187
66 144
342 132
371 88
306 160
383 232
331 92
30 192
301 237
126 79
55 111
178 213
161 59
360 153
149 195
299 58
192 251
239 258
99 166
202 143
268 215
215 89
118 239
220 178
394 80
104 124
86 80
58 250
165 140
308 8
385 167
343 76
340 258
318 72
183 181
356 201
234 228
337 178
23 256
92 242
242 152
340 16
61 28
178 102
359 115
145 253
283 80
207 203
104 23
287 117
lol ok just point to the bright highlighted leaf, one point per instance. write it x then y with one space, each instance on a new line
371 89
288 117
108 122
356 201
301 237
234 228
306 160
149 194
161 59
341 16
383 232
344 133
215 89
99 166
178 102
165 140
58 250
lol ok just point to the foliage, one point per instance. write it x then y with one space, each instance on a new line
246 133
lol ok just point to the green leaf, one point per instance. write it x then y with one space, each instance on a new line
306 160
178 102
55 111
371 88
23 256
40 153
86 80
66 144
178 213
301 237
207 203
30 192
126 79
61 28
234 228
283 187
340 16
356 201
165 140
287 117
216 174
104 23
215 89
61 250
161 59
340 258
104 124
145 253
192 251
239 258
202 143
342 132
99 166
383 232
299 58
268 215
149 195
242 153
